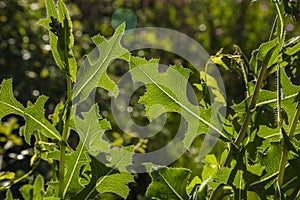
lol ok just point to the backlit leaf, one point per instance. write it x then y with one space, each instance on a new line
166 92
169 183
34 114
93 72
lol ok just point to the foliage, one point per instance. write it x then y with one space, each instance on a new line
256 156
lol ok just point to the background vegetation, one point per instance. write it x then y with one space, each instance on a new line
25 56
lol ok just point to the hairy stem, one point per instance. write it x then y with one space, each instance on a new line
285 150
244 128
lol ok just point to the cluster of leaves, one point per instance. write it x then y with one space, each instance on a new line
261 134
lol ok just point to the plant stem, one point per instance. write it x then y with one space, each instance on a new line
285 150
36 164
65 135
244 128
281 31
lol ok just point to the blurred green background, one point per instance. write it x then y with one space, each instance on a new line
25 56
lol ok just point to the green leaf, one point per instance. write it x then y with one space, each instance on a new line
51 198
59 24
105 179
260 53
195 182
293 46
34 191
9 195
209 81
121 158
270 160
169 183
93 72
52 190
166 92
74 162
33 114
113 182
90 132
210 167
7 175
269 98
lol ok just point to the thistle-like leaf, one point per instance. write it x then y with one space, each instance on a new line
260 53
166 92
33 114
93 72
90 131
105 179
59 24
169 183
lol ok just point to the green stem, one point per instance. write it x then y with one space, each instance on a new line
244 128
285 150
280 20
65 135
284 156
36 164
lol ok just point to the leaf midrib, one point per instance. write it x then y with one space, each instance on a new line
77 160
33 118
188 110
103 178
100 66
170 186
275 100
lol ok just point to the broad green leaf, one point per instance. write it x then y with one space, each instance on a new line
34 191
93 72
241 174
73 164
90 133
210 82
33 114
57 117
52 190
114 182
105 179
121 158
253 195
221 177
59 24
169 183
166 92
295 167
270 160
51 198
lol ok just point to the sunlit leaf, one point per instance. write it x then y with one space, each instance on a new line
34 191
33 114
169 183
59 24
93 72
166 92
